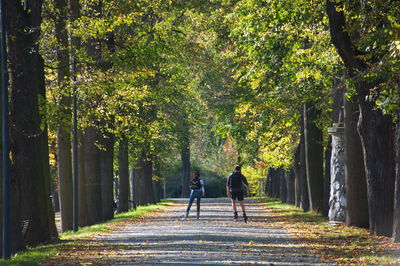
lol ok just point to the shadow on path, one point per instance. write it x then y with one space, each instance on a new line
214 239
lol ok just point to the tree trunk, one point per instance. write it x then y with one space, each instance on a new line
132 184
376 134
282 185
157 183
327 178
147 168
143 180
274 183
64 128
296 169
374 127
82 206
56 199
123 172
356 182
277 183
268 184
185 158
305 200
314 157
92 176
137 179
28 136
107 175
290 187
396 219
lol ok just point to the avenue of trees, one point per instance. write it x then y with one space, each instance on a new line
166 87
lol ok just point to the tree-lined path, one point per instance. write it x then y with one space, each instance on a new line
213 239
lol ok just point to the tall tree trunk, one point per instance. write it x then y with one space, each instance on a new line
132 184
157 183
82 206
123 172
137 180
314 157
356 182
296 169
376 131
64 128
305 199
282 185
107 174
147 168
28 137
92 176
327 178
268 184
290 187
396 219
143 180
374 127
185 158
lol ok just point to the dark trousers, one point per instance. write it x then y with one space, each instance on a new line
194 194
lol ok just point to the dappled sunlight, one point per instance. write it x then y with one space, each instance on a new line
213 239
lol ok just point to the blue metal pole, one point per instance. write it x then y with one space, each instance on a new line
6 177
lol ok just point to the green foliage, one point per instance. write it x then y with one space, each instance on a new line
278 56
375 32
219 73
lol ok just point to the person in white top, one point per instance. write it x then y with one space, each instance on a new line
197 191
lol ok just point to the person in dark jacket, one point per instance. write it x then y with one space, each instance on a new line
197 191
234 190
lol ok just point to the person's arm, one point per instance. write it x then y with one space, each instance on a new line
202 187
228 191
246 184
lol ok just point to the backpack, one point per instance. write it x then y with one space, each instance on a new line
236 180
195 184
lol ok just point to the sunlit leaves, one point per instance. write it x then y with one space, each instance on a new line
282 57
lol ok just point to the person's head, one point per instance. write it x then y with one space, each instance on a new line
197 174
238 168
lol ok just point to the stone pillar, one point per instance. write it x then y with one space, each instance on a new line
337 199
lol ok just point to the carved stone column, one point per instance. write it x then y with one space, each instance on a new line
337 199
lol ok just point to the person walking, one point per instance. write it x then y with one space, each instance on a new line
234 190
197 191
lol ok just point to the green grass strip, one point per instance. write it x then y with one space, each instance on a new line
35 255
344 237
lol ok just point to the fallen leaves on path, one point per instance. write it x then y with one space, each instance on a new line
339 243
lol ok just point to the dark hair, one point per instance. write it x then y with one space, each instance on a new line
238 168
197 173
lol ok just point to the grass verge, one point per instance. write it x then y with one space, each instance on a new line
36 255
340 244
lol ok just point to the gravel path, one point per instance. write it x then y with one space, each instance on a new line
214 239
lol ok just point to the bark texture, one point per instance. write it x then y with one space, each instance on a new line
123 172
28 135
107 175
92 176
296 169
375 129
327 178
63 132
185 159
82 206
314 157
290 186
396 219
143 180
356 182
